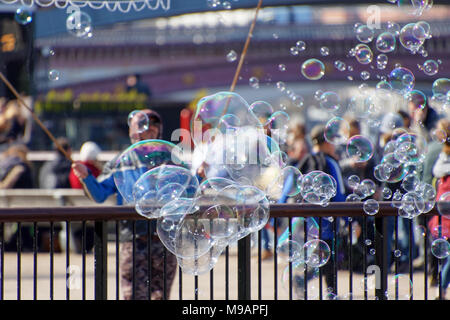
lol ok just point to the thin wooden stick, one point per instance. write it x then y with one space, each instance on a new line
35 117
246 45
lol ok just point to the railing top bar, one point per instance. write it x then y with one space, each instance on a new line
82 213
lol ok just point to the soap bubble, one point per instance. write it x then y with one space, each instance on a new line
395 168
428 193
417 99
364 33
330 101
430 67
412 205
231 56
291 251
410 182
317 253
23 16
286 175
443 205
440 248
393 28
387 193
408 39
422 30
138 120
359 148
411 147
401 284
144 155
385 42
317 187
53 75
294 277
382 61
254 82
363 54
402 79
79 24
202 264
341 66
324 51
353 181
313 69
336 130
282 67
371 207
365 75
441 87
300 45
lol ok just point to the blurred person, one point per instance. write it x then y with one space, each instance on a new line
13 123
89 152
323 157
104 186
16 173
135 83
423 120
55 173
297 144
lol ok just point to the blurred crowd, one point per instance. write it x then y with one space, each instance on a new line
308 150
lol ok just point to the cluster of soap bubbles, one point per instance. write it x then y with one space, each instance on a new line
238 149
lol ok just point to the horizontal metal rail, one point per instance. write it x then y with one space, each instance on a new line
91 213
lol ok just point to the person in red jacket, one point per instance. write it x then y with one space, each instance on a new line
88 156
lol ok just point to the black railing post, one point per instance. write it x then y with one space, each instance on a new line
244 251
381 257
100 262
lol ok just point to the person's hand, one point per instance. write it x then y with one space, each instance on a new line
80 170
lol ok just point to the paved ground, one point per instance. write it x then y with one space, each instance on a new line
188 284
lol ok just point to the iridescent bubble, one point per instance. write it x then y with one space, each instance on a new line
443 205
410 182
363 54
365 75
294 51
336 131
407 38
417 99
340 65
393 28
79 24
213 3
422 30
359 148
313 69
330 101
231 56
254 82
53 75
295 277
371 207
353 181
382 61
286 175
402 79
385 42
430 67
282 67
369 187
23 16
317 253
441 87
411 148
412 205
397 253
364 33
324 51
300 45
222 219
399 287
281 86
439 136
428 193
387 193
146 154
440 248
138 121
291 251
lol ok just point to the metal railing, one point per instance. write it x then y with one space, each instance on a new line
250 282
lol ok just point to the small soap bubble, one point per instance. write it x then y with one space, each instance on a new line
282 67
340 65
300 45
23 16
324 51
254 82
53 75
364 33
313 69
231 56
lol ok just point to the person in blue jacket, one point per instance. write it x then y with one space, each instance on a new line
99 189
323 158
